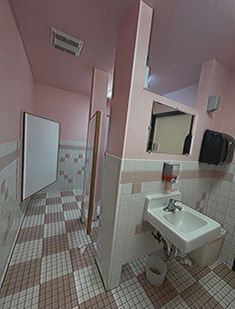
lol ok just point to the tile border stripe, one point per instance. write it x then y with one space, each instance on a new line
73 147
148 176
8 159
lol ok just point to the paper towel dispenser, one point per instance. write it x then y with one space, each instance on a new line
216 148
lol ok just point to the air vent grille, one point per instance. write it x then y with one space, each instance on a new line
66 42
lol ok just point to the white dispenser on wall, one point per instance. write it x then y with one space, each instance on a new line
170 172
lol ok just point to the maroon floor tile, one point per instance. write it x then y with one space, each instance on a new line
226 274
54 217
30 233
67 193
74 225
195 270
58 293
70 206
21 276
33 211
127 273
54 244
53 200
94 234
82 260
232 282
159 296
103 300
196 296
38 196
61 293
78 198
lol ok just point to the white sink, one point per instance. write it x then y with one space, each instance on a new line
185 221
187 229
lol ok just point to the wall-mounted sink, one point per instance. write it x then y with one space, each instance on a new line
185 221
187 229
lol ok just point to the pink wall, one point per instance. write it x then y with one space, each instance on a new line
122 77
99 91
229 122
214 80
70 109
16 80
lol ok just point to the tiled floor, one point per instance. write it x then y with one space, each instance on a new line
53 266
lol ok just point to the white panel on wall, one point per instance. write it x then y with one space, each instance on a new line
40 159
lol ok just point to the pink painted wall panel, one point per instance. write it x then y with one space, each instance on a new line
70 109
16 80
99 91
214 80
122 82
229 121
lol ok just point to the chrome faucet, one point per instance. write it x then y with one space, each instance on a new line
172 205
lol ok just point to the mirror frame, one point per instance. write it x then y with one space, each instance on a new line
177 111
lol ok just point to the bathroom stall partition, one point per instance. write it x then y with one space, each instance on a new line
89 182
98 131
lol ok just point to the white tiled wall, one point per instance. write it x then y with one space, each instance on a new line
105 244
70 167
221 207
11 211
122 212
130 209
131 206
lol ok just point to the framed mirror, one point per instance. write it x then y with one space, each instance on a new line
170 130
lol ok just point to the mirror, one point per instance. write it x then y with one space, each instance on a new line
170 130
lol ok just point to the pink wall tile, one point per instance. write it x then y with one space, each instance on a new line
8 159
196 174
147 176
73 147
143 227
3 186
127 177
136 187
223 175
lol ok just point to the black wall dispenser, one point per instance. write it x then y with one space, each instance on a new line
217 148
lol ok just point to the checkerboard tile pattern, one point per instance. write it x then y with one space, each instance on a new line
27 251
88 283
53 266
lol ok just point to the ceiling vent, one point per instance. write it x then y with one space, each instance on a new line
66 42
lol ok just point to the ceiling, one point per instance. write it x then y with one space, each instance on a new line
185 34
